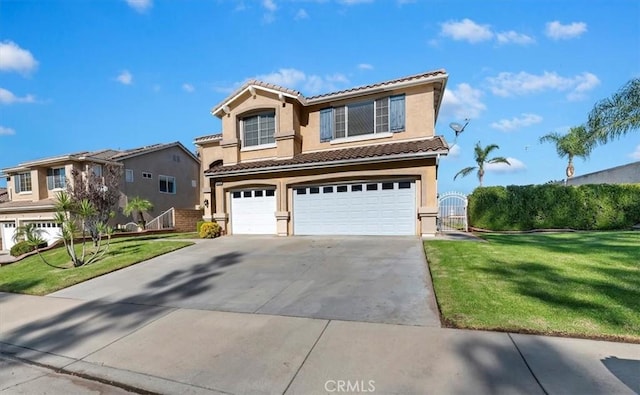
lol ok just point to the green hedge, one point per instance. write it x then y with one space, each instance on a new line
553 206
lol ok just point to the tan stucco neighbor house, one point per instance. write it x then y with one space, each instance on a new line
361 161
165 174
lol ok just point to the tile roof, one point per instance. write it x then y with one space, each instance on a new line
429 146
382 84
4 195
208 138
19 204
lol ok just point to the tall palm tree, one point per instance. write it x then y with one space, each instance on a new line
578 142
139 206
481 156
617 115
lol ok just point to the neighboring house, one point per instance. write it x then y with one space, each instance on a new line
625 174
4 195
362 161
165 174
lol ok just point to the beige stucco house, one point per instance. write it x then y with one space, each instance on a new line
165 174
362 161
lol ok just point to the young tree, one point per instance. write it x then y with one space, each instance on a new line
617 115
29 233
481 156
576 143
101 190
139 206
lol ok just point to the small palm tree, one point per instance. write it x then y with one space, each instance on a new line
481 156
29 233
576 143
139 206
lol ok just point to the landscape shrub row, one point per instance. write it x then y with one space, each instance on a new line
554 206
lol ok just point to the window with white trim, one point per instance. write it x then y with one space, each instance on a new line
128 175
23 182
382 115
167 184
258 129
56 178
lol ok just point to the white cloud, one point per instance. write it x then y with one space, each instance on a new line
7 97
301 14
14 58
188 87
507 84
125 77
4 131
466 30
454 152
354 2
462 102
508 125
515 166
365 66
635 154
557 31
311 84
512 37
140 6
269 5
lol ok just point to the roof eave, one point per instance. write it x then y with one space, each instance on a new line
321 165
219 109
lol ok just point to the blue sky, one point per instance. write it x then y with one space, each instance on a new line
78 75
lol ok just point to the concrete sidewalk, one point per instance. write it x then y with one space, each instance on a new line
175 350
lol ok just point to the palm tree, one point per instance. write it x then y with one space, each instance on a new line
29 233
617 115
576 143
140 206
481 157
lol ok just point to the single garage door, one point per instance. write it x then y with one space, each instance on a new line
364 208
7 229
253 212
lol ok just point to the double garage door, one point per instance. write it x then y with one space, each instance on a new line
359 208
49 231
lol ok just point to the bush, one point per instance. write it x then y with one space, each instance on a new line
554 206
22 247
209 230
199 225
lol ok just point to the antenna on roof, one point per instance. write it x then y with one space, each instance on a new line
458 128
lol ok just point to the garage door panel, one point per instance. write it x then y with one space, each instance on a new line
253 212
372 208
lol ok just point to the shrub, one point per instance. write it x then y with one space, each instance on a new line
209 230
554 206
22 247
199 225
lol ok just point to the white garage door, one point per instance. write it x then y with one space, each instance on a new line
7 230
253 212
366 208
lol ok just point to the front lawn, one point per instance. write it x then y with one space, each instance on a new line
34 277
573 284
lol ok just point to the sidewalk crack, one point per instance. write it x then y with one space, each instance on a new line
306 357
527 364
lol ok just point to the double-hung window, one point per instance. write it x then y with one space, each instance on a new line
23 182
259 129
56 178
382 115
167 184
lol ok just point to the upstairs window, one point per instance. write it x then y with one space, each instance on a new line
128 175
167 184
259 129
368 117
56 178
23 182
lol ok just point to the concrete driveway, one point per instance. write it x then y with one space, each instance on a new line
368 279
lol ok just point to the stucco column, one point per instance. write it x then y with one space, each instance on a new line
282 215
428 210
209 197
220 215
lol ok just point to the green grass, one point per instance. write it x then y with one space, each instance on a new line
567 284
34 277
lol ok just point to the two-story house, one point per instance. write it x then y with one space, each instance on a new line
362 161
165 174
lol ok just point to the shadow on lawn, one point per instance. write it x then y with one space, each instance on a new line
83 329
555 288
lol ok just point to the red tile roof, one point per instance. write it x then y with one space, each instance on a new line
382 152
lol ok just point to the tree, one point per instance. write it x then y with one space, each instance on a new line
617 115
139 206
29 233
101 190
73 218
576 143
481 157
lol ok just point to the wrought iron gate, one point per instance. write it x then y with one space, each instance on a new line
452 212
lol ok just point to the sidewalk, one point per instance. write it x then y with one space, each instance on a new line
169 350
